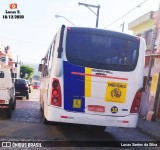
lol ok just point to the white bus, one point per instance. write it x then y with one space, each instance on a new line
93 77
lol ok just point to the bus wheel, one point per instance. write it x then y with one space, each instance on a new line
8 112
27 96
97 128
14 105
41 108
44 120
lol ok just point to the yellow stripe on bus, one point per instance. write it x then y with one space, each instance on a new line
87 82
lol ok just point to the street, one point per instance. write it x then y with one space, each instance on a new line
26 125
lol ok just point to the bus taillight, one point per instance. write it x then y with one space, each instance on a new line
136 102
55 92
56 98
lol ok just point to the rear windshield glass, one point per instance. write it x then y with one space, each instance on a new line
1 74
104 50
20 81
36 83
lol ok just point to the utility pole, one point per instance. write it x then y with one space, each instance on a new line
17 58
97 14
157 101
122 26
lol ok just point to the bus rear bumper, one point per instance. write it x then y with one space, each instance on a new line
87 119
59 115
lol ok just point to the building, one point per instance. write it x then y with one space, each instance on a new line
147 26
6 60
6 56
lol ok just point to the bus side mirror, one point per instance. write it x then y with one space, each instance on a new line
40 68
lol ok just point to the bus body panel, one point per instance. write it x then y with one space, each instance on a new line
76 88
59 115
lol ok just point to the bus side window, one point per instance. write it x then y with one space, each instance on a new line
47 61
51 55
47 68
44 62
45 72
134 56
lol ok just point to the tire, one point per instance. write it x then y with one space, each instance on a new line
8 113
13 107
27 96
100 128
41 109
44 120
97 128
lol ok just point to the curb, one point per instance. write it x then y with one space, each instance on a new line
150 128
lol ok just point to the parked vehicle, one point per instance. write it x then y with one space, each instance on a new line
7 91
36 85
21 88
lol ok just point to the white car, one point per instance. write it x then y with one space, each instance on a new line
7 91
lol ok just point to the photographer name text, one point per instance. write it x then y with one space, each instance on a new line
145 144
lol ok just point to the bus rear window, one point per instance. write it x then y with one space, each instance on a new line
102 50
1 74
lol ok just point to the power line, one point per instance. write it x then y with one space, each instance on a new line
139 5
15 41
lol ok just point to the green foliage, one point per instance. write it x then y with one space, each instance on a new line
26 72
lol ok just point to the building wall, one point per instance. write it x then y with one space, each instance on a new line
6 56
143 27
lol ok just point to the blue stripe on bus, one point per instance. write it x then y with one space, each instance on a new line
73 87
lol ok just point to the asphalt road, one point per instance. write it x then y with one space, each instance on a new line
26 124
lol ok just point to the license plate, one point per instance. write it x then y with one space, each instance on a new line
96 108
17 92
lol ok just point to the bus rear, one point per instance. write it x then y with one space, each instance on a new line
102 77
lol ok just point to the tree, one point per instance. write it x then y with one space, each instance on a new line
26 71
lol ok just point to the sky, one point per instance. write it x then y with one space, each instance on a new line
29 38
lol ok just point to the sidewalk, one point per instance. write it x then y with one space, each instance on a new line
151 128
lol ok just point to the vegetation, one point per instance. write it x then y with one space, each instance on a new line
26 72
